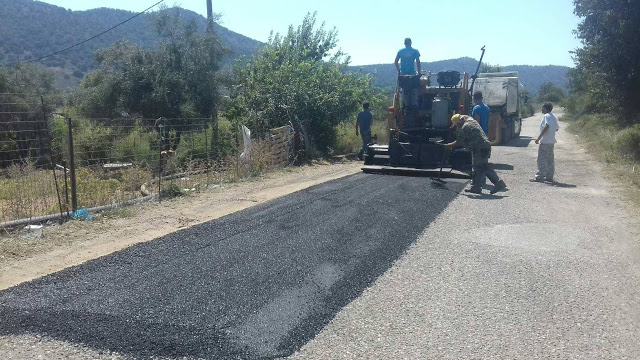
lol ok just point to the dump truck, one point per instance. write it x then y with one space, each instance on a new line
504 94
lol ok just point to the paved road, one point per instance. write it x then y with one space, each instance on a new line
539 272
357 268
257 284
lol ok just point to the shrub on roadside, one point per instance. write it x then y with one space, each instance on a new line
628 142
92 142
348 142
138 147
171 191
93 191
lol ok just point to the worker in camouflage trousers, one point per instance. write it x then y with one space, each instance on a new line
472 137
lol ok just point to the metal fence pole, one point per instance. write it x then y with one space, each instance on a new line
206 150
160 164
72 169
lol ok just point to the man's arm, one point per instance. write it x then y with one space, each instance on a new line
418 65
475 113
396 63
357 127
451 145
546 128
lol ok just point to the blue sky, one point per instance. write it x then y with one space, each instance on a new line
516 32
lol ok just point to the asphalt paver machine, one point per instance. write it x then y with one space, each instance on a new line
419 124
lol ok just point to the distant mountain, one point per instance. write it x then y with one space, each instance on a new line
530 76
32 29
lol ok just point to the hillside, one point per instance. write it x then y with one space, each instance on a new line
31 29
530 76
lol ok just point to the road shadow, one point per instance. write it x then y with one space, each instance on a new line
522 141
502 166
485 196
563 185
556 184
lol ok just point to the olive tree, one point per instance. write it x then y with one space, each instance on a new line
300 76
176 80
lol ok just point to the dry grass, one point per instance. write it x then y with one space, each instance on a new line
610 145
350 143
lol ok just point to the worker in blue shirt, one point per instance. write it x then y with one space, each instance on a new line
363 122
408 57
409 60
481 112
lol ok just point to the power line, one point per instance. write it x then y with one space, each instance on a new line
102 33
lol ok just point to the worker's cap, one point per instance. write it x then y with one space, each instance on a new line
459 120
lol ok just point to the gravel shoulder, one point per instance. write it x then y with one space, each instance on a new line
23 259
538 272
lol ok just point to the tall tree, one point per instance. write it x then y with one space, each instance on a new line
299 76
177 80
609 61
550 92
27 97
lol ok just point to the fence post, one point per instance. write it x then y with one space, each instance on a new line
72 169
160 164
207 151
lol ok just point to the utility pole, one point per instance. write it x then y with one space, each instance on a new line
209 17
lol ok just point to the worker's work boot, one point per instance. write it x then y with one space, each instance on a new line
500 186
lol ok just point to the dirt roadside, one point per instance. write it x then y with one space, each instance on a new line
23 259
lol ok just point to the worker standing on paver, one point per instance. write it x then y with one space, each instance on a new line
547 139
481 112
474 139
409 61
363 122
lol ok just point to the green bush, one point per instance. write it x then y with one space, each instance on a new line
93 191
92 142
628 142
171 191
223 141
348 142
194 146
140 146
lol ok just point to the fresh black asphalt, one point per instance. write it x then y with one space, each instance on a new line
256 284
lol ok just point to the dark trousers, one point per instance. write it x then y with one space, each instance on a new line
482 169
366 138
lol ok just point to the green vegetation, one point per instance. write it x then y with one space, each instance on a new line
608 65
603 100
299 77
32 29
171 191
177 80
350 143
385 75
488 68
551 93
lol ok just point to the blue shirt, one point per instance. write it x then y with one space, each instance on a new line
364 121
484 113
408 57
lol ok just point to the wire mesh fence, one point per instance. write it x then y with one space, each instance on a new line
27 187
54 165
